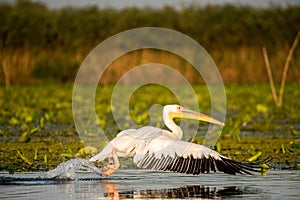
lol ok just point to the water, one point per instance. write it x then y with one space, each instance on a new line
71 169
145 184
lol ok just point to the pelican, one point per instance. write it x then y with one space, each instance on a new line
159 149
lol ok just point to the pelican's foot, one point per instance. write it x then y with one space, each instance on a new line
114 164
109 169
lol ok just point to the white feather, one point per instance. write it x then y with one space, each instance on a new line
152 140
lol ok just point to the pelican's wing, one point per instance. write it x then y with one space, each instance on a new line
164 153
128 141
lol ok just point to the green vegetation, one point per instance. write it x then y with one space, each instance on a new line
40 48
38 43
37 129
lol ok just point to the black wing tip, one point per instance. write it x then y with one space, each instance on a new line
244 167
196 166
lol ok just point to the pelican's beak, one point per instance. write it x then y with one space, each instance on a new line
189 114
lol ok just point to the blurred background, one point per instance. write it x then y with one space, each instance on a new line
48 40
43 43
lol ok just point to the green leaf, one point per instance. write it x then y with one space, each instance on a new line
283 149
34 130
45 158
13 121
255 157
218 146
262 108
42 124
36 153
24 158
24 138
66 155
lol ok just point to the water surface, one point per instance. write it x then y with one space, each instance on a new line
141 184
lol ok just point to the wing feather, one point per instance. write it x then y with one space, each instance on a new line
184 157
152 148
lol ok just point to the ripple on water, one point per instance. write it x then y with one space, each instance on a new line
141 184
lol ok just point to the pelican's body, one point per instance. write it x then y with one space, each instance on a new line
159 149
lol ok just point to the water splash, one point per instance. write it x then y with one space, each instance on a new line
70 169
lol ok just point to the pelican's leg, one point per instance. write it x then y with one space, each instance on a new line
114 164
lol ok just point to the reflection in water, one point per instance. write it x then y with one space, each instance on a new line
111 190
193 191
95 188
143 184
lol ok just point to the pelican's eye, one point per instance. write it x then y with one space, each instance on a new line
179 108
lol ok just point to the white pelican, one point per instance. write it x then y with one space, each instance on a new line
158 149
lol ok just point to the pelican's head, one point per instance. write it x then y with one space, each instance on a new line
177 111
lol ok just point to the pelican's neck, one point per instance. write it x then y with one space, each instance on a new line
176 131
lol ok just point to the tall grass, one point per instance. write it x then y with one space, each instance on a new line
16 66
279 98
38 43
242 65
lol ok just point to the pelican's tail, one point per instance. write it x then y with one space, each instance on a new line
103 154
